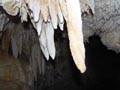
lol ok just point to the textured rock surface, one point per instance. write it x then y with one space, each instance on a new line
105 23
10 68
12 76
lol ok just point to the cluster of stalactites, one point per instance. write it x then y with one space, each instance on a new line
47 15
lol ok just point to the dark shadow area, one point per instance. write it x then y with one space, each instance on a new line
103 69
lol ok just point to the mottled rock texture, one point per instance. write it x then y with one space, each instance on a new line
105 23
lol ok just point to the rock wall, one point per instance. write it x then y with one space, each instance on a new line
105 23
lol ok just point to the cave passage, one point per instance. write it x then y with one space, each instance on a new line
103 67
103 70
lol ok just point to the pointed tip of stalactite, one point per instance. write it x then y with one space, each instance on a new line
83 69
36 19
78 55
79 62
53 57
55 26
36 15
61 26
46 19
47 58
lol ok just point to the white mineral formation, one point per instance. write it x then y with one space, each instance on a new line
74 24
47 15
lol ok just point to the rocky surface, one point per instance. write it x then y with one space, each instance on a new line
12 76
105 23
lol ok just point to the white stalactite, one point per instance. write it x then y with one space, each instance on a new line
74 24
46 15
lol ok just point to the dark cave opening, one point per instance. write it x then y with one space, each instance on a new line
103 66
103 69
